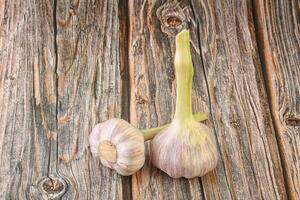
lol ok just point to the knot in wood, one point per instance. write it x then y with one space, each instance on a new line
172 18
174 21
52 187
292 120
141 99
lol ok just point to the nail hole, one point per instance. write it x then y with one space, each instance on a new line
174 21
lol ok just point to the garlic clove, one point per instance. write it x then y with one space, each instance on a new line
119 145
185 151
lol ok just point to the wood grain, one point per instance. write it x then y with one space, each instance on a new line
60 76
27 96
152 80
67 65
224 45
89 92
279 39
238 102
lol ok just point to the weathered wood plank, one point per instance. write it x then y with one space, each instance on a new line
27 96
152 97
124 65
152 84
279 40
64 66
89 92
230 88
238 102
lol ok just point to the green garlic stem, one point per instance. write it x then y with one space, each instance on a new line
184 75
151 132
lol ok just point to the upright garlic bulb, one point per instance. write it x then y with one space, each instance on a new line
186 148
120 146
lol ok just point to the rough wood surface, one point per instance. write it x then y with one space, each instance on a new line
230 87
152 80
60 75
238 102
27 96
278 28
67 65
89 92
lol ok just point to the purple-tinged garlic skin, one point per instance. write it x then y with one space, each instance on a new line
119 145
186 148
187 152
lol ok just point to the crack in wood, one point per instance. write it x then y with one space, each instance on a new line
31 55
210 104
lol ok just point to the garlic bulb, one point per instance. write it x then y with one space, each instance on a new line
120 146
186 148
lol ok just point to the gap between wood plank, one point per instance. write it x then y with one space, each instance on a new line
56 81
123 14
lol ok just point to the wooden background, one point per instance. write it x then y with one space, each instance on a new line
66 65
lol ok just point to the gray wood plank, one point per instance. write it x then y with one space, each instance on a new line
279 40
238 102
152 85
27 96
228 84
89 92
67 65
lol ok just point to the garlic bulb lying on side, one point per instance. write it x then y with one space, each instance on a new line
186 148
120 146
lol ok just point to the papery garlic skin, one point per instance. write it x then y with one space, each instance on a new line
188 151
128 142
186 148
